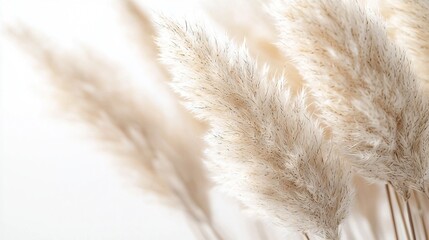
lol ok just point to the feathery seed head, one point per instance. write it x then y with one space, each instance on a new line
363 86
263 146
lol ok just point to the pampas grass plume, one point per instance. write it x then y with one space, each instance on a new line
363 86
263 147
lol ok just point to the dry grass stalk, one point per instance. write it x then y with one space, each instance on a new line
392 211
421 213
263 147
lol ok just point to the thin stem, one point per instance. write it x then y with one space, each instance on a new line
214 230
401 210
201 222
306 236
195 212
410 218
196 228
422 217
192 214
391 211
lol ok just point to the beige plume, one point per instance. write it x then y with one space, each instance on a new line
363 86
263 147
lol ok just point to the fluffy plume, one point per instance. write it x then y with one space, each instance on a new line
263 147
364 87
409 24
163 156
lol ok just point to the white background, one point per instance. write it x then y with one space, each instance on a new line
56 184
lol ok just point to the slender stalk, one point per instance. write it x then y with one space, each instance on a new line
190 211
410 218
195 227
306 236
422 217
401 210
194 211
215 231
391 211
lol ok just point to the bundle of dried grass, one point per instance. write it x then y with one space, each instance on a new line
264 146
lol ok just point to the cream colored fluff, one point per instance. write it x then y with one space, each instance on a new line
263 147
363 86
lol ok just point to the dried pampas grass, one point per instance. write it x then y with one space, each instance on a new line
263 147
363 86
264 144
